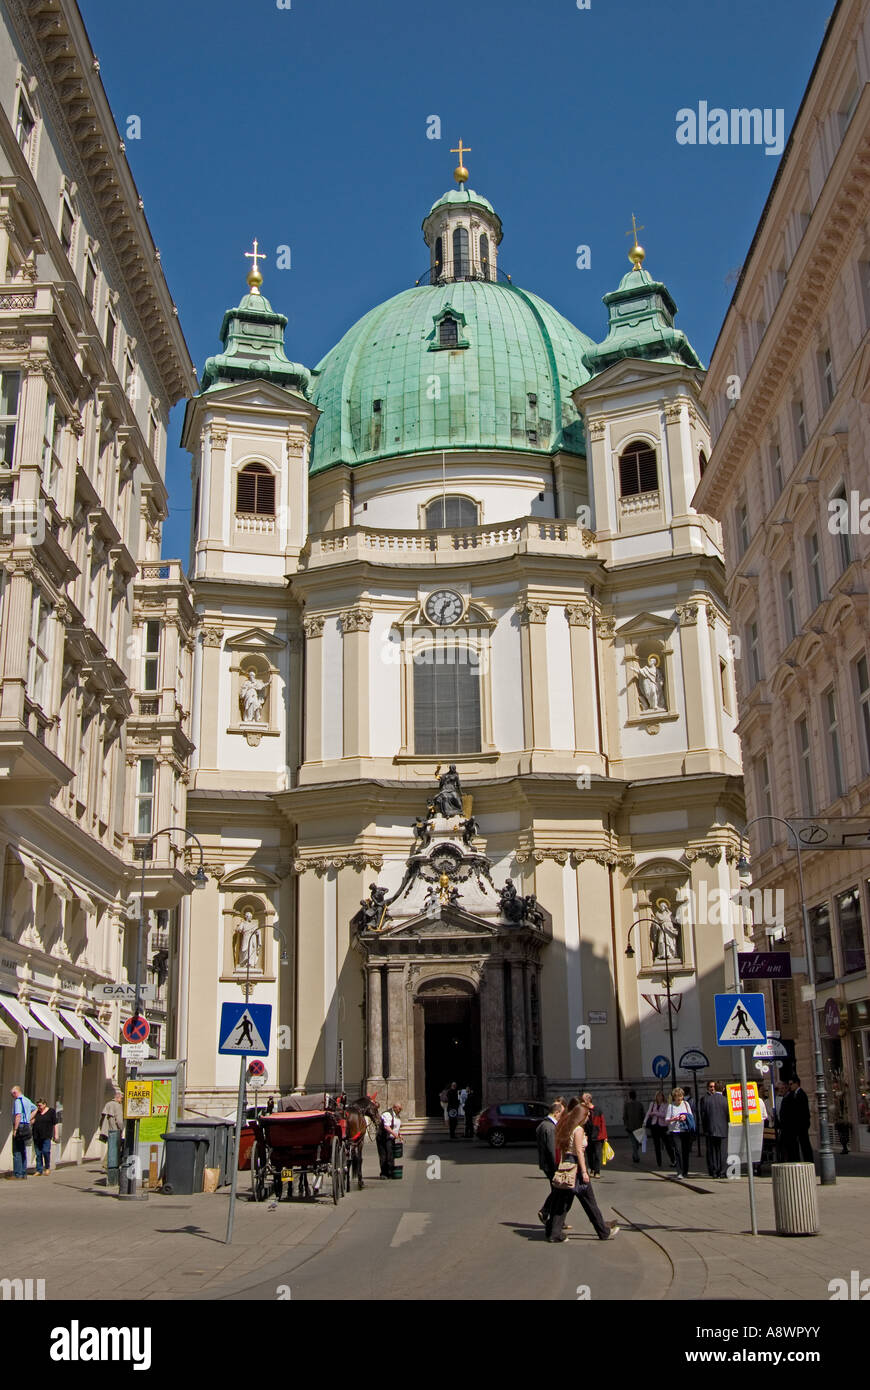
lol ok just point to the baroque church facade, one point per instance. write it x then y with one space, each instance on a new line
466 772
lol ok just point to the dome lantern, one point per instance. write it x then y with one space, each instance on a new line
463 232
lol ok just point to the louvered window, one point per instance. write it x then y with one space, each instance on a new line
447 701
450 511
638 470
255 493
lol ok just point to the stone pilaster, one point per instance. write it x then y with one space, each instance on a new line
355 624
536 690
313 733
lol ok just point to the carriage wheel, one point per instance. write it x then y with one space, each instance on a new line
258 1174
336 1170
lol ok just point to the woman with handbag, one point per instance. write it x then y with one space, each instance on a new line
656 1125
571 1178
681 1124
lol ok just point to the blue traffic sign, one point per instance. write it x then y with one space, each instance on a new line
660 1066
740 1020
245 1030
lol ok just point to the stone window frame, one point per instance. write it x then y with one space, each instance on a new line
258 649
236 897
664 877
409 627
642 637
423 507
238 467
636 511
27 90
448 312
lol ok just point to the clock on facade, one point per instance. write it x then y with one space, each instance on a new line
443 607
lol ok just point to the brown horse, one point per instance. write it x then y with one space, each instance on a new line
357 1115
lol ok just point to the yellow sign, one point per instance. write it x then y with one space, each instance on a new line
735 1103
137 1100
153 1129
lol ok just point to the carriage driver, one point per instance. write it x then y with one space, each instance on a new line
388 1135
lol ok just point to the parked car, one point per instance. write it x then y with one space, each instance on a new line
515 1119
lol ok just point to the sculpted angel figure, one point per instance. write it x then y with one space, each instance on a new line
251 700
651 683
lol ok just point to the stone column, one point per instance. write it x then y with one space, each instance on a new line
374 1024
536 689
313 733
579 617
518 1014
396 1022
355 624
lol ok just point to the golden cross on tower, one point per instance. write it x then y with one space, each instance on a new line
460 173
636 254
255 279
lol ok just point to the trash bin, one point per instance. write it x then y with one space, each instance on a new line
184 1160
217 1131
794 1199
398 1155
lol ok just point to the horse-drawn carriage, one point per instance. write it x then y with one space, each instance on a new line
312 1145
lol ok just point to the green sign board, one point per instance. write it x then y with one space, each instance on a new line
154 1128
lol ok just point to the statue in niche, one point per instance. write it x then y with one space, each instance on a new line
650 683
247 943
448 801
251 700
373 909
664 933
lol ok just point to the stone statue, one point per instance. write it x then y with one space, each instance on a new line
650 683
469 830
247 943
422 831
533 912
250 699
373 910
448 801
664 933
510 902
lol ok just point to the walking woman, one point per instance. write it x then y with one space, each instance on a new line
571 1142
682 1129
656 1124
596 1134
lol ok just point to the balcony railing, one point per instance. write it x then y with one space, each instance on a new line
531 535
447 275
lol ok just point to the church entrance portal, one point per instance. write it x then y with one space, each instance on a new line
451 1046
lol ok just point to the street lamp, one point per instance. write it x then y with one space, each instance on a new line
129 1187
827 1164
629 951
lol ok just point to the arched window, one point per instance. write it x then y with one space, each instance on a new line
439 255
255 490
460 253
447 689
484 255
448 332
450 511
638 469
702 461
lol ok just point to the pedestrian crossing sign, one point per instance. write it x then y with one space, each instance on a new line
245 1030
740 1020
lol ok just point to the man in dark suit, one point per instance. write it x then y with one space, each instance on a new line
547 1162
714 1127
794 1124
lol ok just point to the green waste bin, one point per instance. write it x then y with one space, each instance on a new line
184 1160
398 1155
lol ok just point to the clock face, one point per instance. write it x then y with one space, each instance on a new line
443 607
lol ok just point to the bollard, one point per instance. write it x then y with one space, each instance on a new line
794 1199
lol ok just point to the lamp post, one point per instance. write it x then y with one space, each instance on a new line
130 1188
629 951
827 1163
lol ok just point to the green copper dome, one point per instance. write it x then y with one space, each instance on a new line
505 382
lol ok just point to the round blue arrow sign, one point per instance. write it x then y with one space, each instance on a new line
660 1066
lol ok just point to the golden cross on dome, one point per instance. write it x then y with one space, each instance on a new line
460 173
255 279
636 254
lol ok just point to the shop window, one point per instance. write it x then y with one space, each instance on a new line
851 930
820 935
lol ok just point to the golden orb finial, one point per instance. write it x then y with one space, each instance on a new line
460 173
255 279
637 254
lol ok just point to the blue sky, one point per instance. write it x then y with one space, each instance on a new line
307 127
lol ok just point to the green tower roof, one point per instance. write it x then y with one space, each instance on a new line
253 339
642 316
388 388
462 197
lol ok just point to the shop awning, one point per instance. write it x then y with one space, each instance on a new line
54 1024
61 886
31 1028
32 870
83 897
102 1034
7 1037
79 1026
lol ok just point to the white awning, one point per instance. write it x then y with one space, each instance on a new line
52 1022
102 1034
78 1026
61 886
32 870
82 896
26 1022
7 1037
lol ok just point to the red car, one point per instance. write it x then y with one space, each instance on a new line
514 1119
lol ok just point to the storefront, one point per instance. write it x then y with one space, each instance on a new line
845 1031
